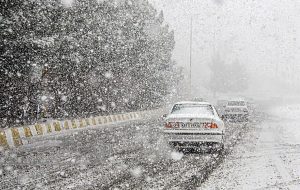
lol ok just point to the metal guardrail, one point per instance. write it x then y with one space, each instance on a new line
17 136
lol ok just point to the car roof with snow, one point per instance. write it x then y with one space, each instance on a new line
193 102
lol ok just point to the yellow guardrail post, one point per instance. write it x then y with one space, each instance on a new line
39 129
81 124
12 137
74 126
27 132
127 116
16 137
87 122
57 126
66 125
49 128
94 121
105 120
3 140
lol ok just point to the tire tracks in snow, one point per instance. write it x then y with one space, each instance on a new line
43 166
109 156
182 174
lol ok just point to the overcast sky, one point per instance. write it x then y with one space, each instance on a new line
263 34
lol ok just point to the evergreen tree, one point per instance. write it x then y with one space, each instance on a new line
94 57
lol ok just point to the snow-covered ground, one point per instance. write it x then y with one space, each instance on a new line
124 156
268 158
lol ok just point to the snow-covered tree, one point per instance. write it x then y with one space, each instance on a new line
83 58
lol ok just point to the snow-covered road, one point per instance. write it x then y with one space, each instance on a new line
268 158
124 156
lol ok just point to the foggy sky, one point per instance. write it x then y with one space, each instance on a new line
263 34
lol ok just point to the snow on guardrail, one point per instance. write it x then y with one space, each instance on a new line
15 137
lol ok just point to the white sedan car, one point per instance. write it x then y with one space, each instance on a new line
194 123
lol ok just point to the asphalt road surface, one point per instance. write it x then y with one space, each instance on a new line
123 156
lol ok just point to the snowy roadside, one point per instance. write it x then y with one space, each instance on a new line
53 139
268 158
125 156
24 136
76 153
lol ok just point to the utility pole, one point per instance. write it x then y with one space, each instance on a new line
191 53
191 45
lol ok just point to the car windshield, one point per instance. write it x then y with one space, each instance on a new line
192 109
236 103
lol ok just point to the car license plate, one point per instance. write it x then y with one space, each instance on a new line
190 125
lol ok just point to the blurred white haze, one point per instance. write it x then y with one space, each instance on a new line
263 35
67 3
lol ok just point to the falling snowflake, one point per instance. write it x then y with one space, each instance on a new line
44 98
136 172
108 75
8 168
67 3
176 156
64 98
103 108
113 104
